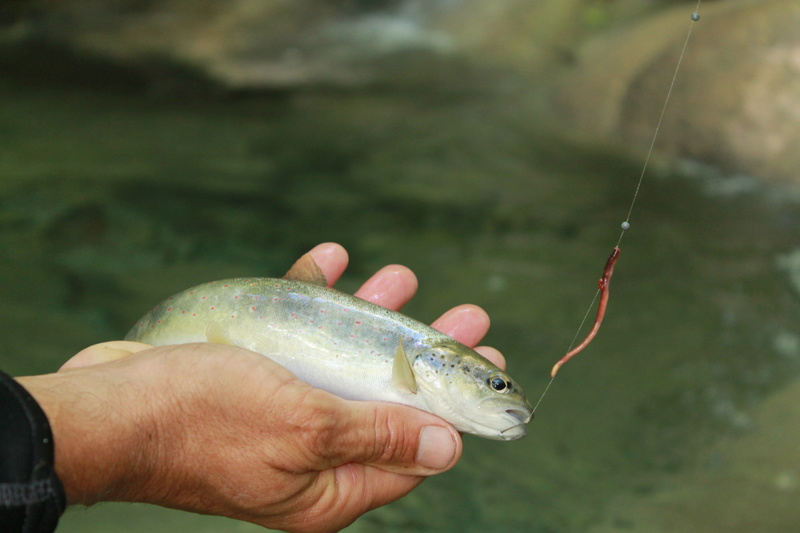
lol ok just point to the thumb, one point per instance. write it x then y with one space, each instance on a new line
103 353
394 438
377 453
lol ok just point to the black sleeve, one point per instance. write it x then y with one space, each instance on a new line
31 496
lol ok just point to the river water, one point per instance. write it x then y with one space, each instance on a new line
113 197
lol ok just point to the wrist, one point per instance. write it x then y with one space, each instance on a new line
99 453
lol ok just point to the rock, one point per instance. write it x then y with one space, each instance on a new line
598 70
245 44
257 44
736 101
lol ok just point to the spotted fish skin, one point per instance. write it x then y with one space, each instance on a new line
347 346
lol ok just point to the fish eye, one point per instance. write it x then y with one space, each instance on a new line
499 384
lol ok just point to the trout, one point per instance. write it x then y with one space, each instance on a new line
344 345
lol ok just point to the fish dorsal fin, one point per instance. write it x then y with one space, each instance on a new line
306 269
402 373
217 335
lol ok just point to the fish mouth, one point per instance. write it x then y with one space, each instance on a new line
518 429
508 424
520 415
497 420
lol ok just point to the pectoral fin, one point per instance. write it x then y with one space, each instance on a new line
402 373
306 269
217 335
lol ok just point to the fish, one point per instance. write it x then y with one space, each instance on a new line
345 345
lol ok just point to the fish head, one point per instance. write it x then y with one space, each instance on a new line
471 392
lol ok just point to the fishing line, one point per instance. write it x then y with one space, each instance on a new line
626 224
602 291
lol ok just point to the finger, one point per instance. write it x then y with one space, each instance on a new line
332 258
391 287
493 355
391 437
466 323
103 353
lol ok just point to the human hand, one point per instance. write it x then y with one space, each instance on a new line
220 430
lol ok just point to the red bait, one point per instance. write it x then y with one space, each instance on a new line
601 311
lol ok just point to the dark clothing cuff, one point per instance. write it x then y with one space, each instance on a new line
31 496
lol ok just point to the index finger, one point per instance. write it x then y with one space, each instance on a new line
332 259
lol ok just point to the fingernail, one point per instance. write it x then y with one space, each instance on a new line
436 448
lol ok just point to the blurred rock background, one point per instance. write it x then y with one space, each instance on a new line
593 69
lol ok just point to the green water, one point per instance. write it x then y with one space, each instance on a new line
112 197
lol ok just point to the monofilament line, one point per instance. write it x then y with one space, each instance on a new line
626 223
571 344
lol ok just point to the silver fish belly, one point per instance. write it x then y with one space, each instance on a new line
347 346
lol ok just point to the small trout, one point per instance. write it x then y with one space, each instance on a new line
346 346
